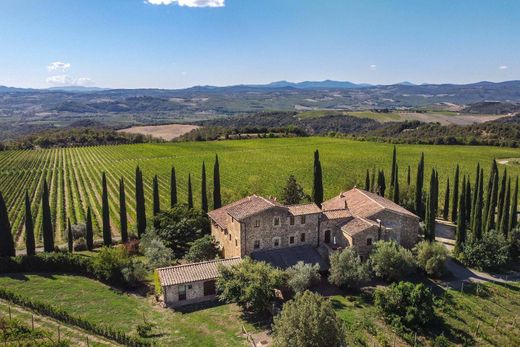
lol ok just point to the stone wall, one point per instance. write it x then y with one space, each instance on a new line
195 294
403 229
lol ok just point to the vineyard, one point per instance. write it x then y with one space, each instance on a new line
248 166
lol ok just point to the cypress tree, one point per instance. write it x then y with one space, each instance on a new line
373 184
190 193
173 188
475 196
395 192
30 243
504 221
122 211
70 238
107 235
203 193
514 205
490 219
140 208
501 196
408 177
217 198
317 187
381 183
430 210
455 201
460 238
446 210
419 184
7 248
367 181
489 194
47 229
468 193
436 191
89 236
478 208
394 166
156 199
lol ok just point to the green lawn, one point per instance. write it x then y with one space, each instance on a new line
216 326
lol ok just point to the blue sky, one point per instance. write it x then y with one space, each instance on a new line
180 43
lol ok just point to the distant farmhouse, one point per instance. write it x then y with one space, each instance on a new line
266 230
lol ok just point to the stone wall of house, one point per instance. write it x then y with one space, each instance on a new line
229 240
262 227
364 241
194 294
335 232
403 229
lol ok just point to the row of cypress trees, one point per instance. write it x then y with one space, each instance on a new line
7 246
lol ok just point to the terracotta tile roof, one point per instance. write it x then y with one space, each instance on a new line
297 210
365 204
250 206
207 270
220 215
337 214
357 225
336 203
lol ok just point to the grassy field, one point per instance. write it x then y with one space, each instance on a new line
247 166
79 296
487 317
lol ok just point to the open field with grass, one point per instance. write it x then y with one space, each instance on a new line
166 132
80 296
246 167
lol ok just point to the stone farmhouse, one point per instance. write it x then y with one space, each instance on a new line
266 230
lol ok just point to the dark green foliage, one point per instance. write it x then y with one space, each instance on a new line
367 181
140 209
390 261
122 211
475 196
317 186
70 238
217 198
446 207
501 197
493 199
173 187
419 186
301 276
347 270
395 186
487 203
7 248
107 233
250 284
431 257
181 226
89 236
293 193
455 201
504 219
489 253
467 205
429 220
190 193
30 243
514 207
460 233
394 167
203 190
407 304
477 214
205 248
373 180
155 192
47 228
408 176
309 320
381 183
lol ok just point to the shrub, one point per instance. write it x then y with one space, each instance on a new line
205 248
301 276
390 261
514 244
308 321
144 329
347 270
134 271
47 262
132 247
431 257
153 248
249 284
109 262
489 253
405 303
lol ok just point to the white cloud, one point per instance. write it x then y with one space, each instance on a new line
67 81
373 67
58 66
189 3
503 67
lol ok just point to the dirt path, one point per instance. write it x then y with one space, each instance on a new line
166 132
76 336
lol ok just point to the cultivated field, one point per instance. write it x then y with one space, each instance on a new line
247 166
166 132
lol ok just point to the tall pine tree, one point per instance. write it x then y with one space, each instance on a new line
7 248
455 201
70 238
203 190
217 198
468 193
173 188
190 193
395 188
446 210
156 198
381 183
478 208
394 166
475 195
429 219
123 218
501 196
30 243
489 194
367 181
408 177
504 216
490 219
140 208
89 235
107 234
460 237
47 229
317 187
514 206
419 185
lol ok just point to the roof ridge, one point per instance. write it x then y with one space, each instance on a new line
198 263
371 198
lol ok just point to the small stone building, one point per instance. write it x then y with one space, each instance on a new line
191 283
